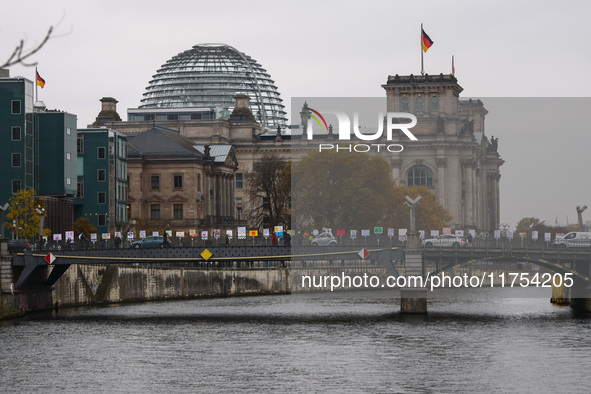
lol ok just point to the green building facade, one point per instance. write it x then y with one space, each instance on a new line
102 183
17 149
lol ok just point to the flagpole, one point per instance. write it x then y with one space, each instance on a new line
453 67
36 87
421 48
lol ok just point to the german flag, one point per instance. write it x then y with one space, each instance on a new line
427 41
40 81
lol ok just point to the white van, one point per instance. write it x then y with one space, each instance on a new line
574 239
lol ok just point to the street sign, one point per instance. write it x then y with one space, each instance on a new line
363 253
50 258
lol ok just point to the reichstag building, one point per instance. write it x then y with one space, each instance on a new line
213 95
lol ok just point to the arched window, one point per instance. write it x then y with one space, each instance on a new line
420 176
434 103
404 104
420 104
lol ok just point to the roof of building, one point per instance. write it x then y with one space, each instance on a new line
209 76
159 142
164 143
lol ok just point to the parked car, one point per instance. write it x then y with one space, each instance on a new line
153 241
573 239
324 239
445 240
18 245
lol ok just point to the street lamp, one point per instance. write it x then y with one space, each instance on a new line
413 237
41 213
580 216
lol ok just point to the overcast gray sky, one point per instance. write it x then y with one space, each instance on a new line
338 48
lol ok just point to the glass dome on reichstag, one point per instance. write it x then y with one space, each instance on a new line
203 81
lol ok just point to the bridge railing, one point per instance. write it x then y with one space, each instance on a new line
373 241
370 241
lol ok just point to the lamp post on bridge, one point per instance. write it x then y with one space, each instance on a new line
41 213
580 216
413 299
413 242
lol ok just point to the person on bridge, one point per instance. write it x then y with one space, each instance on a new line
274 239
82 238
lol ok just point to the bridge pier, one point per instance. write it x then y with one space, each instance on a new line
35 295
413 300
580 292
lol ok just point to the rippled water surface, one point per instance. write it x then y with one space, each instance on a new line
353 342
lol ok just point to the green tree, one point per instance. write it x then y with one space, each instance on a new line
23 212
268 189
343 190
525 225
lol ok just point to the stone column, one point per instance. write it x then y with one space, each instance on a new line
217 195
441 165
228 195
468 220
232 198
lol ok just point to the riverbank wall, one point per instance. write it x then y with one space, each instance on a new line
109 283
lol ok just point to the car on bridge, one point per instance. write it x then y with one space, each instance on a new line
18 245
575 239
324 239
445 240
153 241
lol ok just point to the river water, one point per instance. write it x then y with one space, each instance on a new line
471 341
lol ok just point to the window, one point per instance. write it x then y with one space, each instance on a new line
404 104
420 176
102 198
101 152
102 220
16 185
16 159
238 181
198 182
155 211
68 131
178 211
80 143
68 181
68 156
178 181
155 179
101 175
16 133
420 102
16 107
80 188
434 103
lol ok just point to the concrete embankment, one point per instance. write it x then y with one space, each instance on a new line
108 283
85 284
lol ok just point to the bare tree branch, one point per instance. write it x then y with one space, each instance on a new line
19 55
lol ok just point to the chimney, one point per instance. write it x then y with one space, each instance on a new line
108 112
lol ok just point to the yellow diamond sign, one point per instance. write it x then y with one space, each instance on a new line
206 254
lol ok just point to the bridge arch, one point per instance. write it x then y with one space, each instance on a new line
554 267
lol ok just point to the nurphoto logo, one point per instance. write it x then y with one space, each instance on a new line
402 121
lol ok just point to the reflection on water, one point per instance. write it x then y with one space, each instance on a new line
355 342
